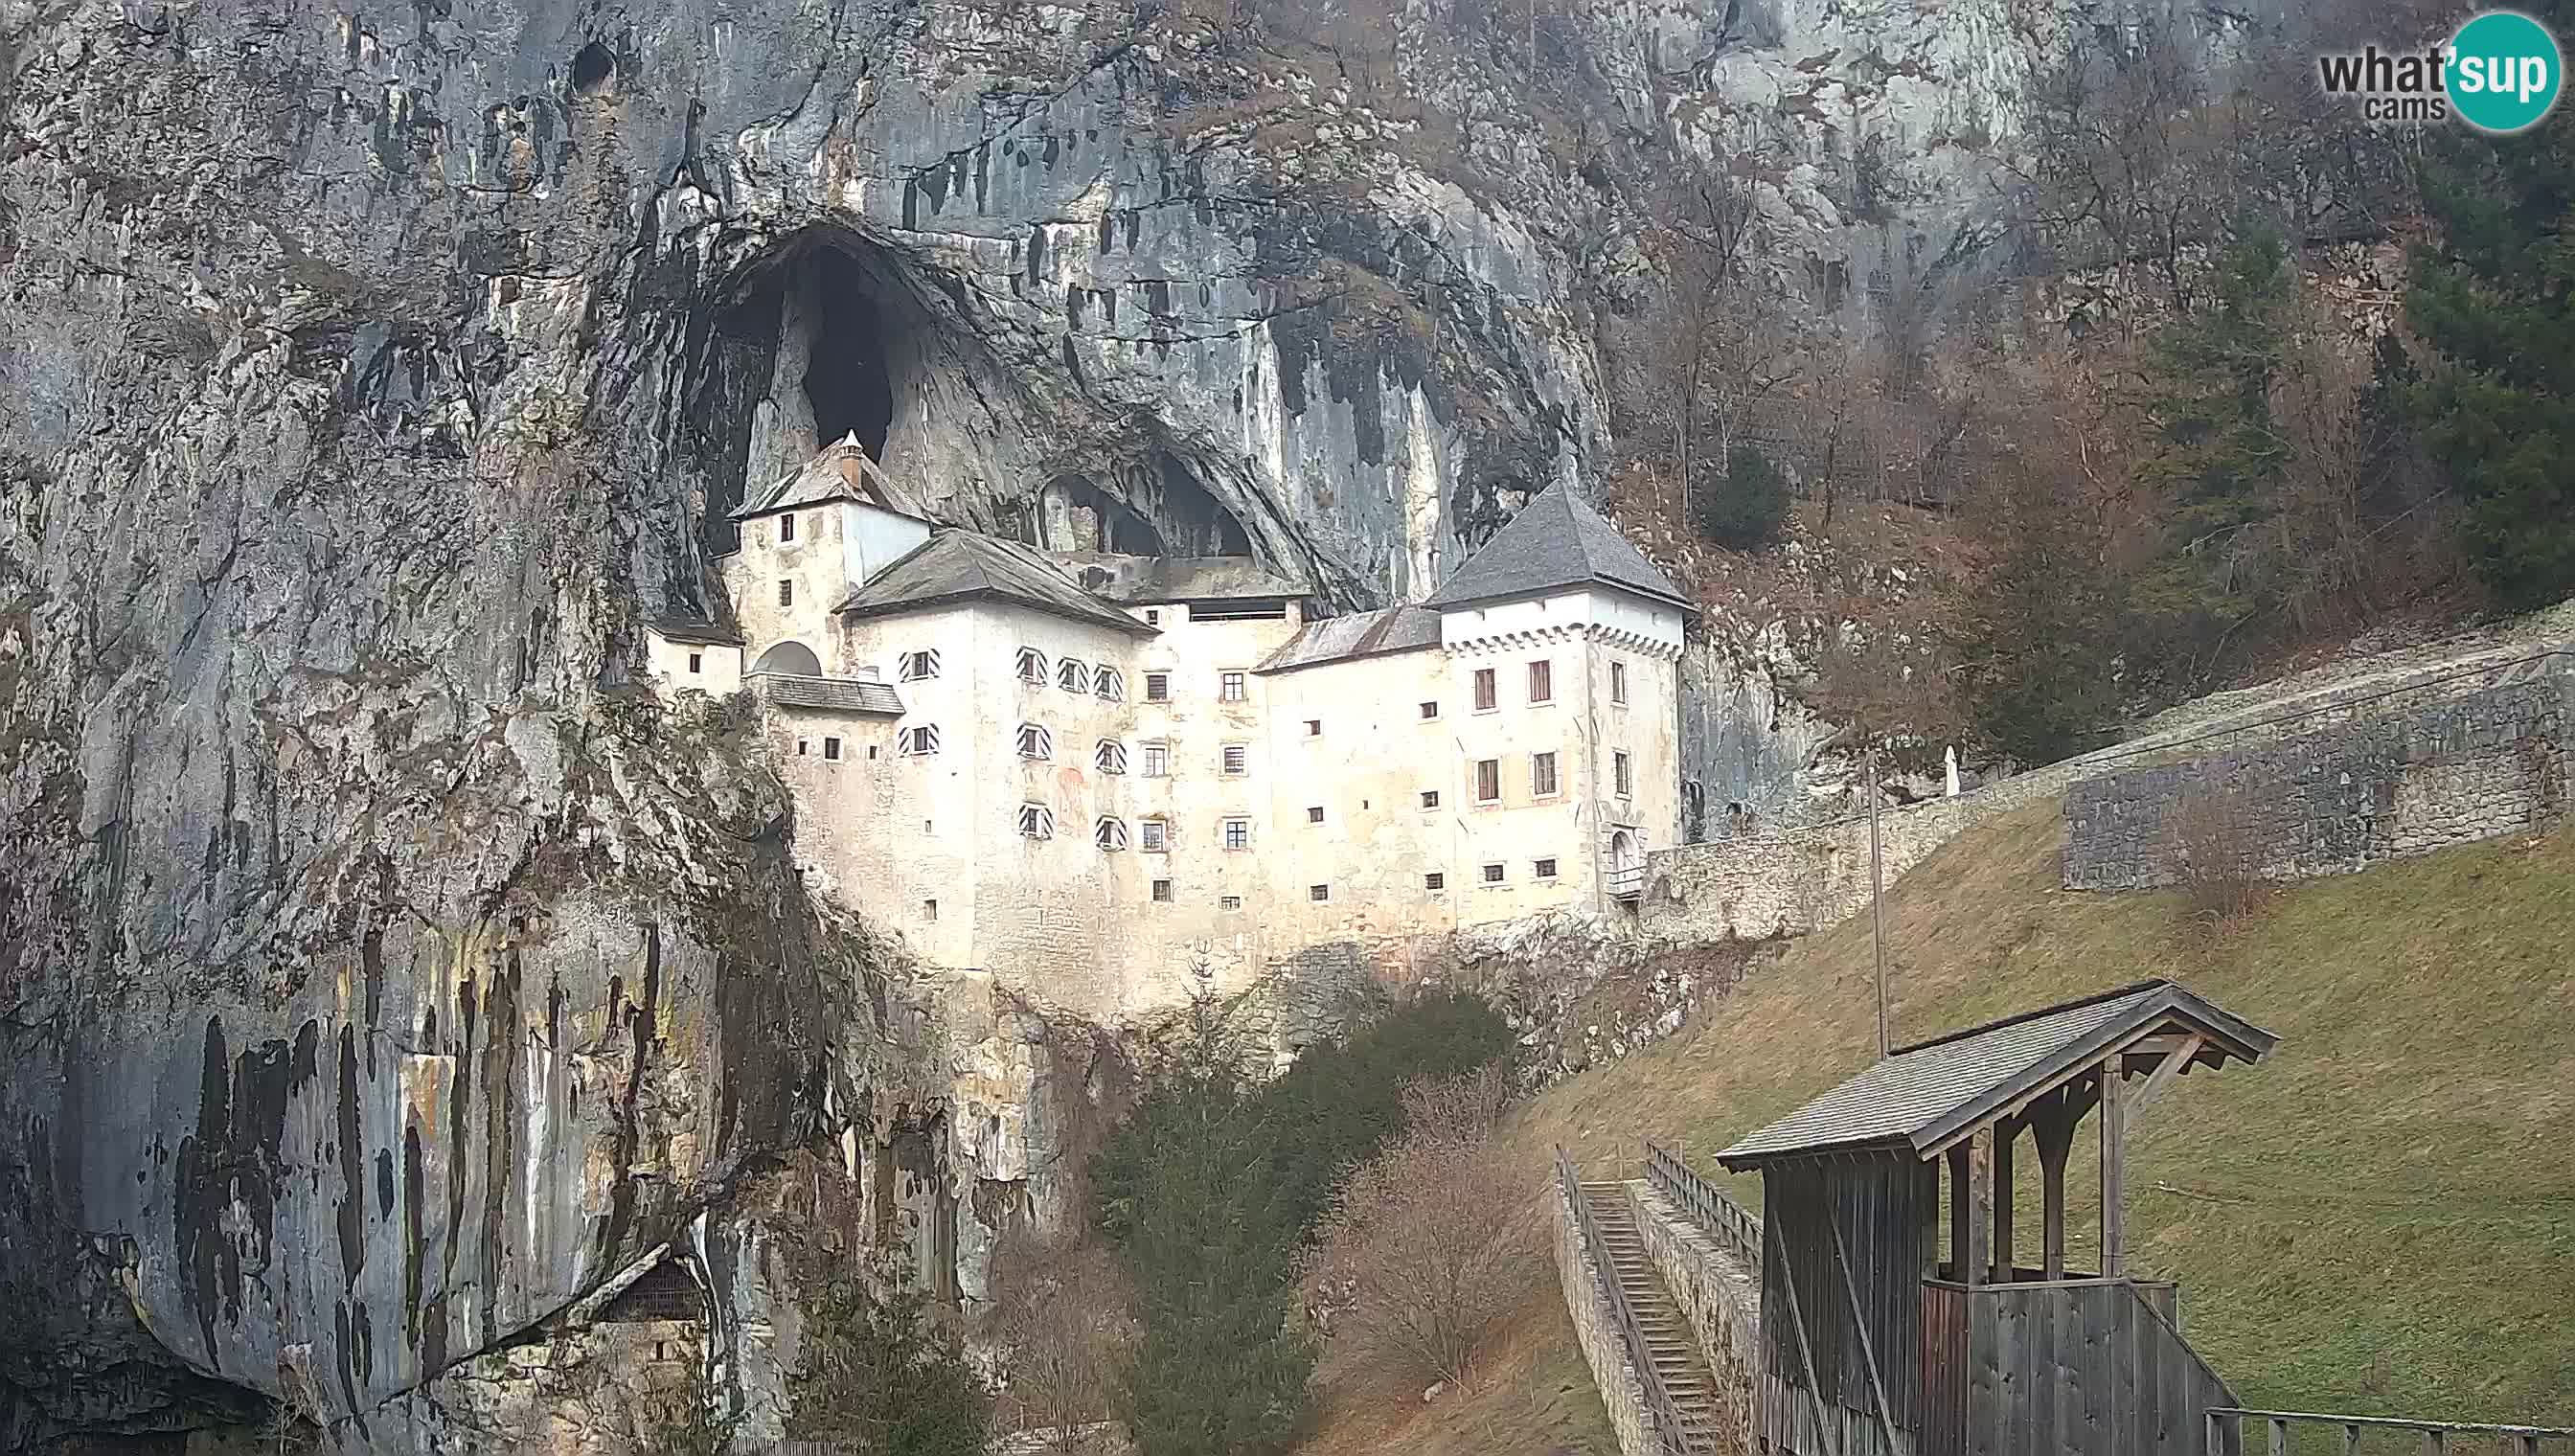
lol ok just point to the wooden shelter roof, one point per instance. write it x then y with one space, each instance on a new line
1921 1098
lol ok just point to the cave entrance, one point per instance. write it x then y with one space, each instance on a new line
846 383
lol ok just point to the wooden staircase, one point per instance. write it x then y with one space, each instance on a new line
1669 1342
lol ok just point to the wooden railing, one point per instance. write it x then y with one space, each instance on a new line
1660 1411
1626 882
2227 1421
1732 1224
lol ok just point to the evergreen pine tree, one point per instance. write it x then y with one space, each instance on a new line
881 1375
2495 299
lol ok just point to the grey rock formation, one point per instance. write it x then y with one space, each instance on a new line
380 974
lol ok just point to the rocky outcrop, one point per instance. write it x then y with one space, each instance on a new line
380 975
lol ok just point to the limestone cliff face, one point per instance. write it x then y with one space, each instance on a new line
380 974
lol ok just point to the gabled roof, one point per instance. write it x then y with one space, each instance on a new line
961 565
838 694
1555 541
1923 1097
1361 634
841 472
1140 581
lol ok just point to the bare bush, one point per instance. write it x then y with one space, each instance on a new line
1067 1331
1431 1242
2217 844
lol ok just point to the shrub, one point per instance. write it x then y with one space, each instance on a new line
881 1376
2217 843
1745 507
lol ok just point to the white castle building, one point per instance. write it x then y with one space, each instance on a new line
1087 774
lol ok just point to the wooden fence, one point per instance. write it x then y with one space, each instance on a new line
1735 1227
1660 1410
2091 1365
2226 1432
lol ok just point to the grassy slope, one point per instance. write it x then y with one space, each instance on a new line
2379 1218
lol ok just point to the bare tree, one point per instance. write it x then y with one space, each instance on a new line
1730 342
2217 849
1066 1332
1430 1243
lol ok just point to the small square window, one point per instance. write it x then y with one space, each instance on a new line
1546 870
1228 903
1074 675
1489 780
1236 761
1109 684
1154 836
1492 875
1158 761
832 748
872 751
1033 667
1230 687
1541 676
1313 727
930 909
1153 616
1157 687
1486 696
1162 892
1036 820
1618 682
785 528
1434 881
801 748
697 662
1035 742
1110 756
917 741
1318 892
787 594
1237 833
913 666
1430 798
1315 814
1542 774
1430 709
1110 833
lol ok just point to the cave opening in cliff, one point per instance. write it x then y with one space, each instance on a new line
847 381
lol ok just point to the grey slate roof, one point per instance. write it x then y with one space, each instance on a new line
1139 581
839 695
1553 543
1361 634
679 628
1922 1095
961 566
843 470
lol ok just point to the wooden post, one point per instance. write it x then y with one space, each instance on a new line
1981 1204
2054 1130
2006 1132
2114 1172
1959 1243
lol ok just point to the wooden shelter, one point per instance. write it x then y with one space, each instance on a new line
1876 1339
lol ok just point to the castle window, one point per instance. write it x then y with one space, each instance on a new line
1489 780
917 741
1236 760
1037 821
1542 774
1492 875
1430 798
1430 711
1153 616
1035 742
786 528
1542 680
1313 727
1157 687
1110 833
1622 774
1618 682
1228 903
1110 683
1237 833
1546 869
1158 761
787 594
1486 698
1162 892
1230 687
1072 676
1156 836
930 909
832 748
1111 756
800 748
1318 892
1315 814
1033 667
1434 881
697 662
914 667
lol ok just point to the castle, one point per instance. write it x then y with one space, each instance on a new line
1091 774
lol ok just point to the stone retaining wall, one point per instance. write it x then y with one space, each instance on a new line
1596 1329
2334 801
1757 887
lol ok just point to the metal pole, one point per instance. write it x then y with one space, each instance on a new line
1877 906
